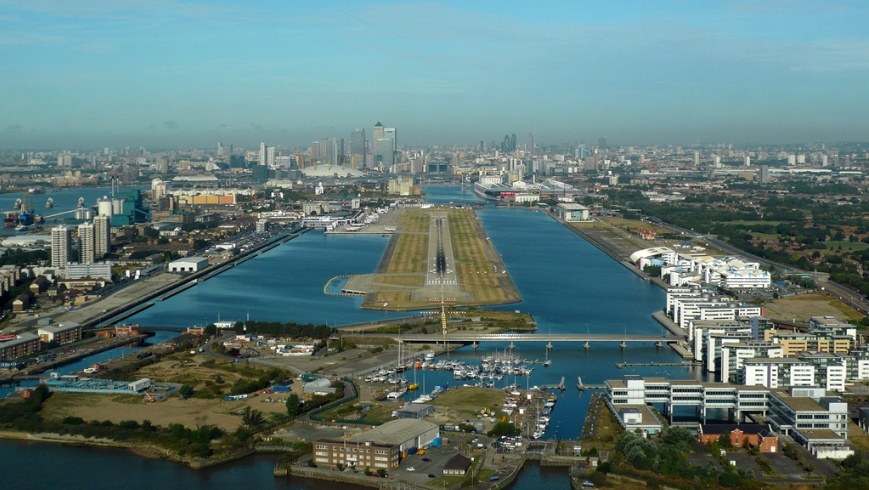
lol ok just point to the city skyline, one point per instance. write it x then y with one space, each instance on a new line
187 74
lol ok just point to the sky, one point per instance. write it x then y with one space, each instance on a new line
184 74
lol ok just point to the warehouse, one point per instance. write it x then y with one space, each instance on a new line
381 447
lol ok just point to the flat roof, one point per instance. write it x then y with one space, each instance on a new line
396 431
649 418
798 403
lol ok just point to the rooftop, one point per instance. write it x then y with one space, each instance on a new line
396 431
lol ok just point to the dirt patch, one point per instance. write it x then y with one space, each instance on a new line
190 412
804 306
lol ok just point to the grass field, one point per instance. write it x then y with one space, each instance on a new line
481 276
469 401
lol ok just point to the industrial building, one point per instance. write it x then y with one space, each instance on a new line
381 447
188 264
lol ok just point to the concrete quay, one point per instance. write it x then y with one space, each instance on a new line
134 298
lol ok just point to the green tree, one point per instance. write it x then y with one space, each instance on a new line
505 429
294 407
251 417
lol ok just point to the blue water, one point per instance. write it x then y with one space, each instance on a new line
565 283
64 200
284 284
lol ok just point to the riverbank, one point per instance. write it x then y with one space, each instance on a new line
608 244
148 451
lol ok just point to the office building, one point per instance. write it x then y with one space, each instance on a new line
262 153
60 245
357 148
806 414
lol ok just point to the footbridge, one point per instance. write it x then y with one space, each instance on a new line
470 337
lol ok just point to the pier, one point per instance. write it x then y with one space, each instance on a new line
621 365
582 386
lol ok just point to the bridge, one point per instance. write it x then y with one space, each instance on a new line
470 337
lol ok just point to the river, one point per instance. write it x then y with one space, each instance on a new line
566 284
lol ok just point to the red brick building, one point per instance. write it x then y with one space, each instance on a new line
755 435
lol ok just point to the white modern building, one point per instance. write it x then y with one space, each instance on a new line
734 355
807 414
61 237
572 212
86 241
687 268
188 264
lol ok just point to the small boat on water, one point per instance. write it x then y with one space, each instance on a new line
49 203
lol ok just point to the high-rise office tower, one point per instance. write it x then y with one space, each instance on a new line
746 161
60 241
86 238
377 133
337 151
102 236
393 135
384 155
357 148
329 149
262 153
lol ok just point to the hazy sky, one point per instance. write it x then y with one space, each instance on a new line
171 73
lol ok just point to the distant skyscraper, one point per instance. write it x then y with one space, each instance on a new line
509 144
746 160
377 133
270 157
393 135
262 153
332 151
60 241
86 237
357 148
383 153
602 143
764 174
383 145
696 158
102 236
